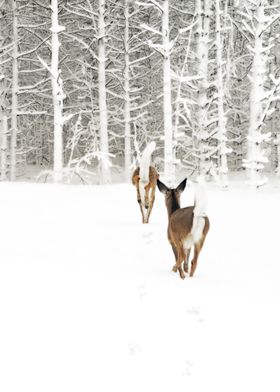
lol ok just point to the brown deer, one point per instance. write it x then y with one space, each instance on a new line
187 227
145 179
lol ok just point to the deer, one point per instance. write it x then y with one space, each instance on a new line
187 227
145 178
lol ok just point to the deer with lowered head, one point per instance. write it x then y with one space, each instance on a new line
145 179
187 227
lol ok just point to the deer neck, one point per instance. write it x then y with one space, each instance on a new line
172 206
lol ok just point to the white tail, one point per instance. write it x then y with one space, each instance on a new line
145 163
199 214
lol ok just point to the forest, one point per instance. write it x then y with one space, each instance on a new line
86 84
92 92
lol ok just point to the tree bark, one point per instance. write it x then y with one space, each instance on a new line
167 106
103 115
203 24
222 138
127 116
57 93
14 112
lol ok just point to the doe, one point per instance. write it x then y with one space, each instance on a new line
187 227
145 179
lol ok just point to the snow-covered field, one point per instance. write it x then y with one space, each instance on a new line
88 301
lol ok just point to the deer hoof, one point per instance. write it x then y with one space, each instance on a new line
175 268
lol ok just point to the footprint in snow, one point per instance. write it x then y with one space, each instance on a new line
142 291
133 349
147 237
188 367
195 312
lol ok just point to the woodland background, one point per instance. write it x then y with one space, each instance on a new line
85 85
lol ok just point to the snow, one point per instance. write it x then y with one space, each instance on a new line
88 301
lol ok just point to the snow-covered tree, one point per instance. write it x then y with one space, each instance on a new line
3 130
103 116
15 88
257 21
57 93
134 75
222 120
203 9
189 76
165 48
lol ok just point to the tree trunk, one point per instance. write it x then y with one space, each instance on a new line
14 113
57 93
255 157
127 117
167 106
222 138
203 24
3 146
104 143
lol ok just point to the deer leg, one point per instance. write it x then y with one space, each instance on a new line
141 209
179 262
151 203
142 212
146 207
175 269
140 203
197 249
186 261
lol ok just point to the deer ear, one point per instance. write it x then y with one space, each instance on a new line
181 186
163 188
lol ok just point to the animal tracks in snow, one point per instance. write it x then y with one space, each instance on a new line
148 237
188 367
133 349
142 292
196 313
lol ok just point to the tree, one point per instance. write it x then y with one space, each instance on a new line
222 120
57 93
165 48
3 130
203 101
15 88
257 23
103 116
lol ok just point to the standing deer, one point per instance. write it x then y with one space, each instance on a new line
145 179
187 227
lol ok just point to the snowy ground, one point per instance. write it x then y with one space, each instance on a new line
88 301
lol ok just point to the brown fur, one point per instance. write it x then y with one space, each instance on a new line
150 190
180 222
